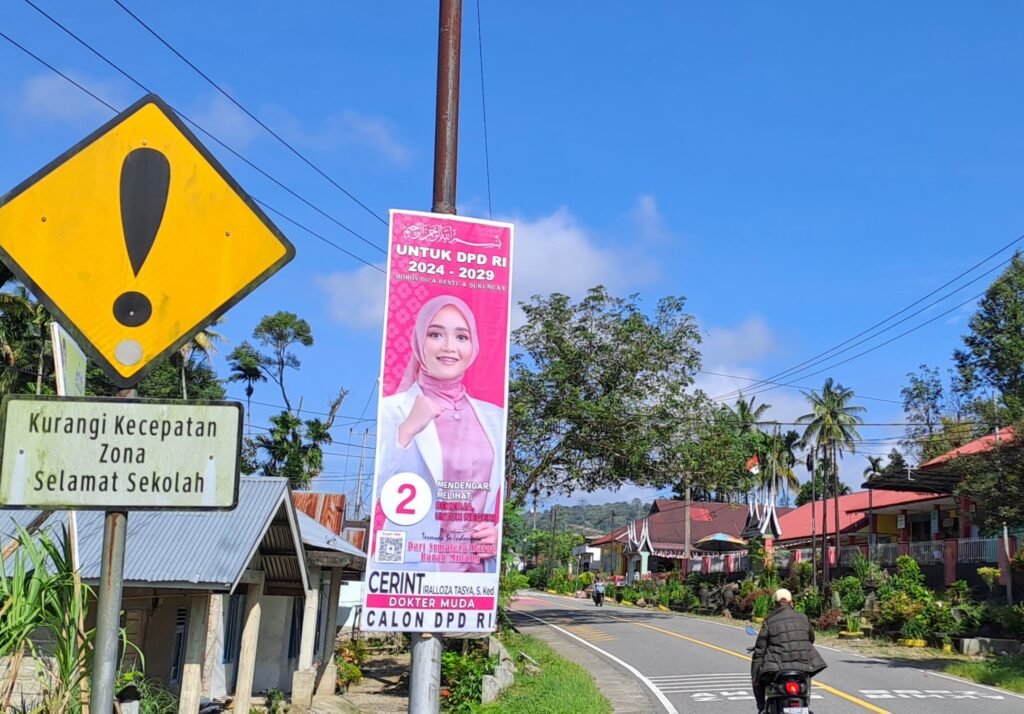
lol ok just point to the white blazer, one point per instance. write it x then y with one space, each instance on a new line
423 457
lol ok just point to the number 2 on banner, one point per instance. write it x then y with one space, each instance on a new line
403 507
405 499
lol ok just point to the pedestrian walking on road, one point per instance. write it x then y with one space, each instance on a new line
599 592
786 642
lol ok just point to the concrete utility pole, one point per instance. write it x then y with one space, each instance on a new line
425 678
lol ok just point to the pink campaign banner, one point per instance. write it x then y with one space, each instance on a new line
440 461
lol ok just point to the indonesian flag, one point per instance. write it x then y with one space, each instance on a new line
753 465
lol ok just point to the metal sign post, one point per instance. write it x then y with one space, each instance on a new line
108 604
108 615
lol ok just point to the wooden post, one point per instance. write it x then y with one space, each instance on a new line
250 638
195 653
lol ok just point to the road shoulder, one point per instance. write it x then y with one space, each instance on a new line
624 691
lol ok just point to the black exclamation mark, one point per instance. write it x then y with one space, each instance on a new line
145 180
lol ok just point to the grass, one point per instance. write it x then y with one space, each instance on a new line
1005 672
562 687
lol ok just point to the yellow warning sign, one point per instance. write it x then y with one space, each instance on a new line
137 238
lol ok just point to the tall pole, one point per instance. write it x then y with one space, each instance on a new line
825 568
686 529
425 678
835 494
446 118
551 542
359 476
108 605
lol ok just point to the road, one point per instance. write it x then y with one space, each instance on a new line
687 664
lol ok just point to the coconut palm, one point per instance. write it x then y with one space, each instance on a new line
203 345
832 428
746 414
874 467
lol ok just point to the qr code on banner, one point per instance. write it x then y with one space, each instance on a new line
390 547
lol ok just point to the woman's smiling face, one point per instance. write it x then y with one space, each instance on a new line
448 347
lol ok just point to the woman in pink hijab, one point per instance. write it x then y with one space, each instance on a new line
431 427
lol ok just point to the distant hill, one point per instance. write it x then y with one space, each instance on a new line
588 519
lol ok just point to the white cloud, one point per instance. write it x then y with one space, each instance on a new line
49 98
552 254
354 299
226 121
749 341
342 132
557 254
648 220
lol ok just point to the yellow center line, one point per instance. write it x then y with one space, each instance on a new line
831 690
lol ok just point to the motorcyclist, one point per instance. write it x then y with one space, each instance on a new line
786 642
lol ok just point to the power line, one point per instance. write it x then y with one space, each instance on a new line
49 66
483 104
310 411
818 358
216 139
780 384
317 235
252 116
890 327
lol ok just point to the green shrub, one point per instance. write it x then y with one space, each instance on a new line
916 628
537 578
851 594
349 674
762 606
852 623
154 699
809 603
560 581
990 576
867 571
275 701
462 678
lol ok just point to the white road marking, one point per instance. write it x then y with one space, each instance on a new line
625 665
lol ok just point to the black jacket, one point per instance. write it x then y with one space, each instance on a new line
786 641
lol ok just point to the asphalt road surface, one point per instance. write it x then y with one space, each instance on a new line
685 664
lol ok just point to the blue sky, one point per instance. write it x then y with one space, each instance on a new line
798 171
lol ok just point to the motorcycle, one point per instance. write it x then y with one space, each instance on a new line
788 692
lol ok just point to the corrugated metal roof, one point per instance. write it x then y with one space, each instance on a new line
211 548
317 536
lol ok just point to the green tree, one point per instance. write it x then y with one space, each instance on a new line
994 481
820 488
244 361
279 333
993 352
777 454
713 454
896 464
201 347
164 382
874 467
598 393
832 428
747 415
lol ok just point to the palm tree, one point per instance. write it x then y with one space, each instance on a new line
246 367
746 414
203 345
874 467
832 428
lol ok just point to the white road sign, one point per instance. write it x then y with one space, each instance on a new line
119 454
